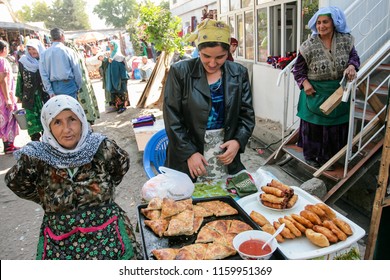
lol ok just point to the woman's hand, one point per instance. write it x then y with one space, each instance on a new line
308 88
196 164
350 72
231 148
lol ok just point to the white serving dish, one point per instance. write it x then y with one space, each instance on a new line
300 247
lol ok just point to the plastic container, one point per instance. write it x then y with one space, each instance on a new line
20 116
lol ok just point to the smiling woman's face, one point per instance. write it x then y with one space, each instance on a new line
66 128
213 58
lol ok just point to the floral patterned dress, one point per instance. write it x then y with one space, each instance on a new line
81 219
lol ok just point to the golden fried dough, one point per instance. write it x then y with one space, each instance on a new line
344 226
315 209
272 205
339 233
317 238
271 230
291 202
286 233
299 226
328 211
258 218
327 232
291 227
272 198
273 190
311 216
305 222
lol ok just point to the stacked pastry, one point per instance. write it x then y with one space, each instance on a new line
278 195
167 217
317 222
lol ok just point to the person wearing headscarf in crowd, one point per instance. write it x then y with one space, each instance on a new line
323 60
208 112
29 88
116 77
73 174
86 95
9 128
60 68
233 47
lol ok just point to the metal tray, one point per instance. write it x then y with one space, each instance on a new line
151 241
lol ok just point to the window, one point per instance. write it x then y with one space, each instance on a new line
262 39
309 8
231 24
224 6
247 3
240 35
235 5
249 35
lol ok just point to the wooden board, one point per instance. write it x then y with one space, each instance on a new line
332 102
143 134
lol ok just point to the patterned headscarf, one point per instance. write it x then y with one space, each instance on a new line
337 15
29 62
210 30
49 150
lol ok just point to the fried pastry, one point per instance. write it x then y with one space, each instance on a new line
271 230
317 238
286 233
305 222
170 207
338 232
192 252
201 211
157 226
327 232
291 202
165 253
274 191
217 251
151 214
311 216
344 226
299 226
258 218
291 227
315 209
237 226
155 203
328 211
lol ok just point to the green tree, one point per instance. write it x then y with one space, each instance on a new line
160 27
116 12
38 11
69 15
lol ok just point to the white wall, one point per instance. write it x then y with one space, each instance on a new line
267 96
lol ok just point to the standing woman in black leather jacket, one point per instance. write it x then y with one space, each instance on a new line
208 112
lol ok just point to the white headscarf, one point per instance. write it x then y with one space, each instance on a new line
49 150
29 62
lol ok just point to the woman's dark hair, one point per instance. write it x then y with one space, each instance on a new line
3 44
225 46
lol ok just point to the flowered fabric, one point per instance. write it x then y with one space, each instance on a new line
89 188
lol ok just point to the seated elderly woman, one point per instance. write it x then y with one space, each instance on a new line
73 174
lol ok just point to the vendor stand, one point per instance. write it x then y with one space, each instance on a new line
298 248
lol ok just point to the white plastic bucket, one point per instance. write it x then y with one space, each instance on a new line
20 116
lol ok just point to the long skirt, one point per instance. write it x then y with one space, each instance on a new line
34 116
321 142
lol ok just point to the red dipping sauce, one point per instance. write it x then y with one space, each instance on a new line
253 247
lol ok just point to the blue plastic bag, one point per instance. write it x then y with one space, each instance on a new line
137 74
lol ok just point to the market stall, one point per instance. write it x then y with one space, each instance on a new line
201 232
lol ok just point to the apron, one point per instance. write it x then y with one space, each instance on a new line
215 170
